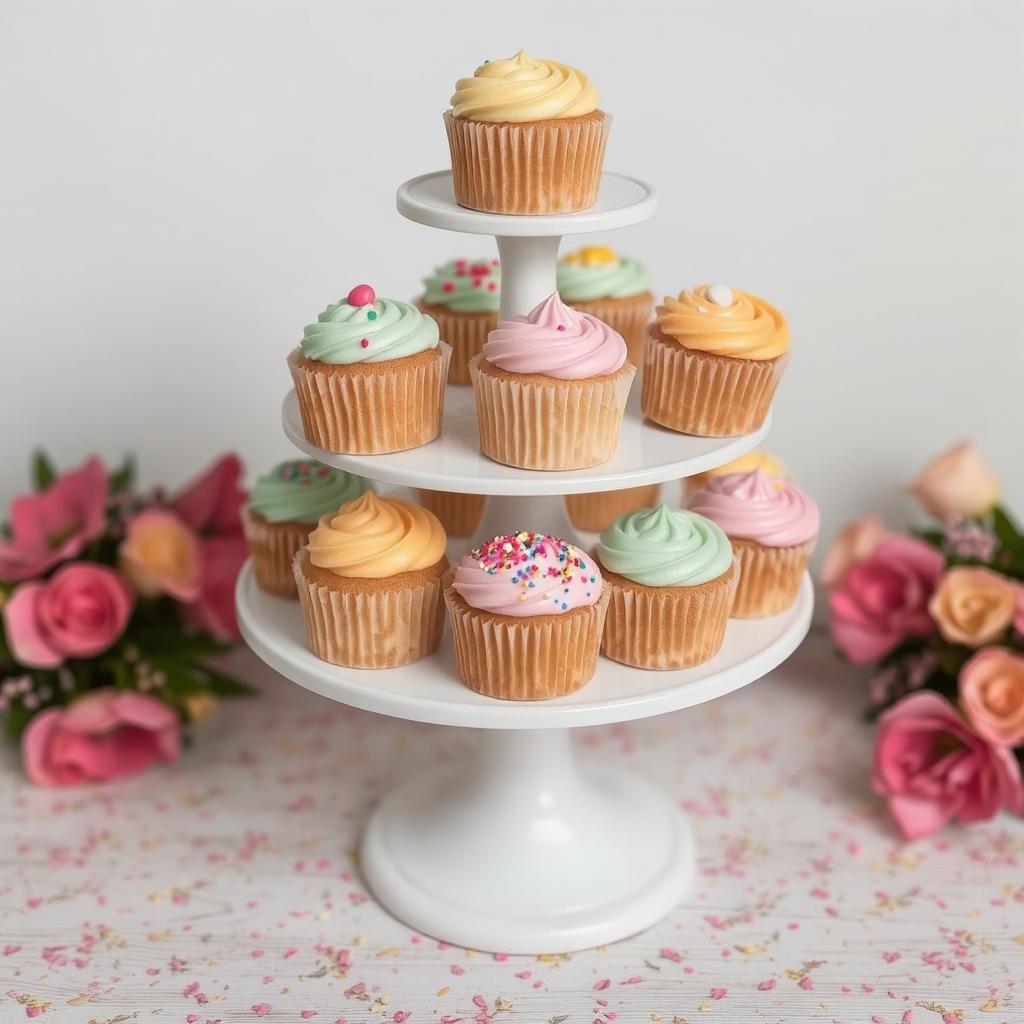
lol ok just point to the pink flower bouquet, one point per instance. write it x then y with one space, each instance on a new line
939 616
112 604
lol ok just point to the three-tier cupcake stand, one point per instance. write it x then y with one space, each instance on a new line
521 848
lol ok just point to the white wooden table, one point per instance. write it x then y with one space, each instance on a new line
224 889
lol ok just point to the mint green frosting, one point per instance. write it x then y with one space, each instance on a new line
302 491
663 547
578 282
465 286
390 330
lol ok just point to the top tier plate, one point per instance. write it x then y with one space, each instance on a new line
622 200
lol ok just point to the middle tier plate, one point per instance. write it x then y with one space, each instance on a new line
647 454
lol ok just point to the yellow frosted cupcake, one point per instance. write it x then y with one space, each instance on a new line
369 583
526 137
756 459
713 361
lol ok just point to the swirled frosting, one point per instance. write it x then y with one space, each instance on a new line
557 341
595 272
465 286
302 491
346 333
373 538
662 547
724 322
525 574
755 506
521 88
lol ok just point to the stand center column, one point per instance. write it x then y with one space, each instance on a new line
527 272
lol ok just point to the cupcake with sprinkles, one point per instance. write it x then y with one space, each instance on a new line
463 297
370 376
527 611
671 579
283 507
551 389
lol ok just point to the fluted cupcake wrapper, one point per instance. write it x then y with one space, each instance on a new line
530 658
528 167
549 424
703 394
460 514
465 332
371 408
666 627
769 577
272 547
630 317
371 629
597 511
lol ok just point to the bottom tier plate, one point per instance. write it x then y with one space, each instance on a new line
430 690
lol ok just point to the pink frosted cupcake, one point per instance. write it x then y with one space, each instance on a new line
551 389
773 526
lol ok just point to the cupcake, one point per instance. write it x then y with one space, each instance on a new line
463 298
592 512
713 359
527 612
283 507
615 289
550 389
671 578
460 514
773 526
369 583
526 137
756 459
370 376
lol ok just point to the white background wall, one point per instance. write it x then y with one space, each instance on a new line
186 184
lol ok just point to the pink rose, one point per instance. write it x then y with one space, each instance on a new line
932 768
56 524
101 736
79 612
991 688
212 503
1018 611
883 599
161 555
854 543
957 483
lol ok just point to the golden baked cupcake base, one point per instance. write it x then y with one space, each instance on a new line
273 547
629 316
465 332
594 512
770 578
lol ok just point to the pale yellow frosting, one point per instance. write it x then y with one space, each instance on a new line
521 88
745 328
373 538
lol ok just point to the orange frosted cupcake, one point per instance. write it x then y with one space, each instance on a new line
526 137
713 360
369 583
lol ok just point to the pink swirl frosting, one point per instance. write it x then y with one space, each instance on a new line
556 341
755 506
524 574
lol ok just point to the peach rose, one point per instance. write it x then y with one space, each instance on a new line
161 555
957 483
973 606
854 543
992 695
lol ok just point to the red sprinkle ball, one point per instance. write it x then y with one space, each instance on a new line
362 295
365 342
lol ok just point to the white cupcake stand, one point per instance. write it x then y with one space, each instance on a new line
521 848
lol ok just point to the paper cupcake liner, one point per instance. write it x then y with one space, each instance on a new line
371 408
597 511
460 514
769 577
360 626
272 547
703 394
465 332
536 422
630 317
666 627
530 658
528 167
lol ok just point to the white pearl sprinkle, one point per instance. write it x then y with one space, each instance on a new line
720 294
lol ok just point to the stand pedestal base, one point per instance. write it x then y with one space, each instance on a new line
521 851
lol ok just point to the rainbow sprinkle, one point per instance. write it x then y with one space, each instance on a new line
518 554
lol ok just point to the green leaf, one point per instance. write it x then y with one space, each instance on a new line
123 478
43 473
18 717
